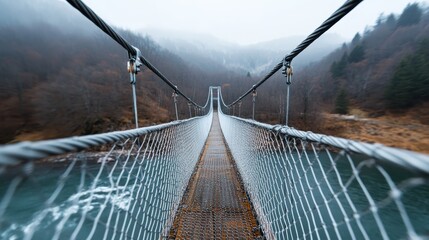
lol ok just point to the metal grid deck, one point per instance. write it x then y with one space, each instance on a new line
215 205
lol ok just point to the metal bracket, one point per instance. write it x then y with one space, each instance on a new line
287 71
174 95
254 94
133 65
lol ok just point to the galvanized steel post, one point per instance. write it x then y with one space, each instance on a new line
253 101
133 67
175 104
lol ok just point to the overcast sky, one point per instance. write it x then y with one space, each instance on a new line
242 21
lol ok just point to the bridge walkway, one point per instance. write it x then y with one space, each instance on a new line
215 205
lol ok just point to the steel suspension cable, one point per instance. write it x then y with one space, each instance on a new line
347 7
132 51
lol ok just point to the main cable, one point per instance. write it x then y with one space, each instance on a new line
347 7
99 22
133 51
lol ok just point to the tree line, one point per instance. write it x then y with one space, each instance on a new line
61 76
380 70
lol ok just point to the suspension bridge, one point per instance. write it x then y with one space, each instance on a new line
212 176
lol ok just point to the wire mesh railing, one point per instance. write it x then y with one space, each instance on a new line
306 185
129 191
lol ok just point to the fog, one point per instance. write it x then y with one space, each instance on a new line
242 21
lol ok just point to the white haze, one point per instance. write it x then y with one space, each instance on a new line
243 21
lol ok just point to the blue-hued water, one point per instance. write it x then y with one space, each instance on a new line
28 210
300 201
121 203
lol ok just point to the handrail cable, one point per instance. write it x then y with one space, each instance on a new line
414 161
327 24
132 51
15 154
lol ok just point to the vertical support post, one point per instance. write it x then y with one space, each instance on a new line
253 101
288 72
287 104
233 110
133 67
175 105
190 109
239 109
136 118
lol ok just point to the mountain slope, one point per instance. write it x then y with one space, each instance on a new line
365 67
61 76
209 53
386 64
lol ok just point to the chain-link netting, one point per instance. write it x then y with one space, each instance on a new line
305 185
130 191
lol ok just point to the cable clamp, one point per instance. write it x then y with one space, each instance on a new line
174 95
134 63
254 93
287 71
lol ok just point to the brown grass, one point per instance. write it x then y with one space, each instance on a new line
407 131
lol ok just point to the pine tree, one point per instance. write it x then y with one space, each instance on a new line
338 69
356 39
399 92
381 18
410 83
342 103
411 15
391 21
357 54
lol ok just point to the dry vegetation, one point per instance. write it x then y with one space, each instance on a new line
408 130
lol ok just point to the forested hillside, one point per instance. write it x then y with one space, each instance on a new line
381 78
381 70
61 76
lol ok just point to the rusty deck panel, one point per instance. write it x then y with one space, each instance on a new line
215 205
